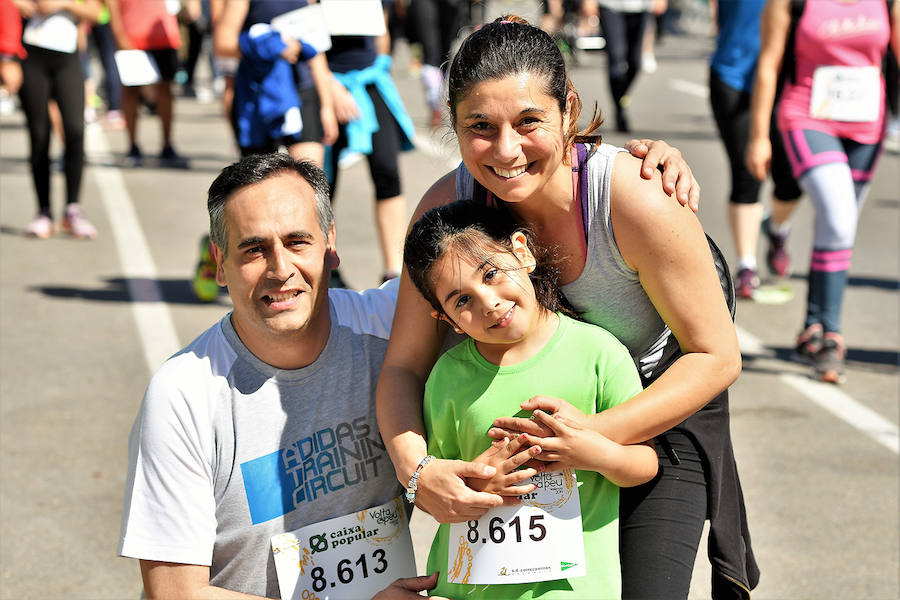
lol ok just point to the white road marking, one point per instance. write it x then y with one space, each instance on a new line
689 87
832 399
151 314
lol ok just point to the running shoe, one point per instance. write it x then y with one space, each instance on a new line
777 258
205 286
77 225
745 283
809 342
114 120
134 158
829 360
170 159
41 227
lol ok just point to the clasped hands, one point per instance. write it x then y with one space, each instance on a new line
554 437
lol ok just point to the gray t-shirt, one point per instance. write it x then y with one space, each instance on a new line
228 451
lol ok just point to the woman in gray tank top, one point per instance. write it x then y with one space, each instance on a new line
632 261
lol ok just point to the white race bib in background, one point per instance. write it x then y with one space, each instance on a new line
540 540
57 31
306 24
846 94
136 67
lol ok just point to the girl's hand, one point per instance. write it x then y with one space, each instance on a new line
443 493
574 445
512 426
506 456
676 173
571 444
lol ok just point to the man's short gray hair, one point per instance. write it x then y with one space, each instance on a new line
254 169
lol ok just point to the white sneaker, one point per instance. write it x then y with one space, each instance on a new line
41 227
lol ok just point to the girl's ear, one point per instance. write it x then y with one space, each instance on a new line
522 251
443 317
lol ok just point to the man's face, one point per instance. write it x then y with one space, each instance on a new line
277 265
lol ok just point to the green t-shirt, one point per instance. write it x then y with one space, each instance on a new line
583 364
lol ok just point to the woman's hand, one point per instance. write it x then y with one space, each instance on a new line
345 107
506 456
442 491
759 157
677 176
329 125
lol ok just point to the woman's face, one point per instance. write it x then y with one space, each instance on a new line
511 136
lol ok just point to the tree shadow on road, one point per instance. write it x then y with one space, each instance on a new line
174 291
872 360
878 283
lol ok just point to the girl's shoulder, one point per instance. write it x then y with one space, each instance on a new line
582 331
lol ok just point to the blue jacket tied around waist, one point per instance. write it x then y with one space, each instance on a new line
359 131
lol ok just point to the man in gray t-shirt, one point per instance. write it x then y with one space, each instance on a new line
265 423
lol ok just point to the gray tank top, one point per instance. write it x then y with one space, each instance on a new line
607 293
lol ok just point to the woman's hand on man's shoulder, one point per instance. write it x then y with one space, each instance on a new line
677 176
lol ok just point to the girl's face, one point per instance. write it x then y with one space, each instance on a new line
495 303
511 136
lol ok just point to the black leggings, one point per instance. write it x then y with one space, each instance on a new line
46 75
384 164
435 24
731 110
624 33
661 522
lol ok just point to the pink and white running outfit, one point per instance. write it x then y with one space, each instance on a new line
832 118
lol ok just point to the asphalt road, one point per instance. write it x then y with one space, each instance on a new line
82 325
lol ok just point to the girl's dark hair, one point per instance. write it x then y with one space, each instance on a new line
509 46
477 231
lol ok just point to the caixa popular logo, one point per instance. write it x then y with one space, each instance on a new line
385 515
339 537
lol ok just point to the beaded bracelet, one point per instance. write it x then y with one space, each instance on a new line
413 484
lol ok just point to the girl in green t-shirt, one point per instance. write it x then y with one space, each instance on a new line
484 276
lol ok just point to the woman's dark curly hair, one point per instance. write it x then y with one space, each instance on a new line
476 231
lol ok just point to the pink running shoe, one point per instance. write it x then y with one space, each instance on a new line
746 283
41 227
809 343
829 360
778 258
77 225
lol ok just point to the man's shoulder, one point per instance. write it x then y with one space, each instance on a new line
369 312
208 355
